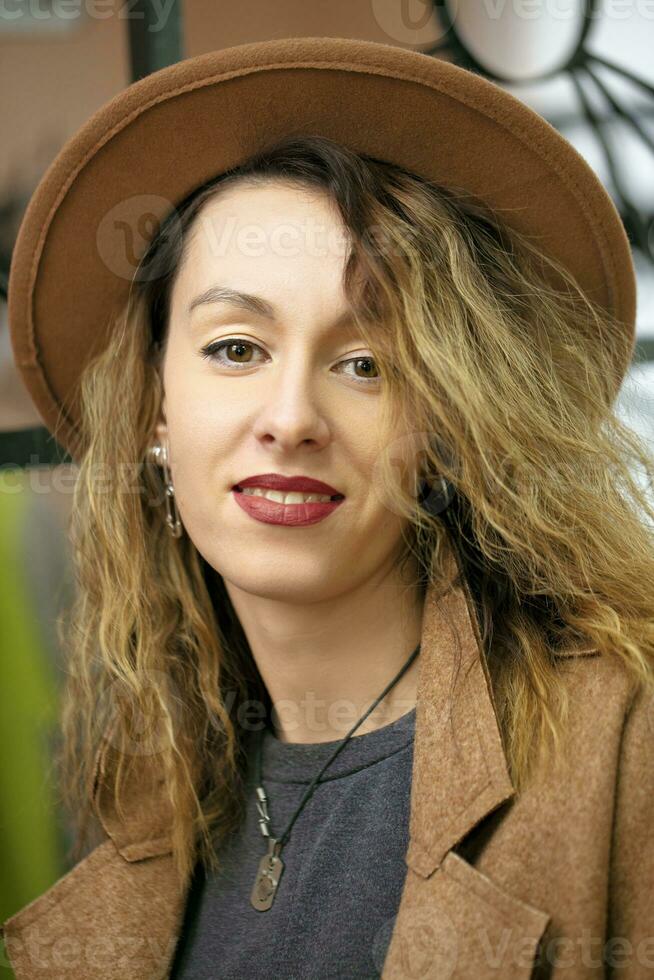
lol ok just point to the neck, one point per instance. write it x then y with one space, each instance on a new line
325 663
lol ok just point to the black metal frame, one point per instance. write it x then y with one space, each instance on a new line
28 448
151 49
582 63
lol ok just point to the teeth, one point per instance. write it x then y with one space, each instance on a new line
287 498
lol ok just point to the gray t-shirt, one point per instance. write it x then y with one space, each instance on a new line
344 869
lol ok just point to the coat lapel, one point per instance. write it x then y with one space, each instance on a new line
460 772
118 912
453 921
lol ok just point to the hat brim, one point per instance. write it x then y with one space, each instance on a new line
84 230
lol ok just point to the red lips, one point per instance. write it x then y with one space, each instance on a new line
287 484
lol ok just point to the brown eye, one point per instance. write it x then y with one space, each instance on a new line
368 368
225 352
365 369
240 350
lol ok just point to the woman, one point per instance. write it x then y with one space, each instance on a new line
475 568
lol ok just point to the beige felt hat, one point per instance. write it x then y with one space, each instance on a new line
140 154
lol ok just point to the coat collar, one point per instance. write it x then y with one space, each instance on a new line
460 775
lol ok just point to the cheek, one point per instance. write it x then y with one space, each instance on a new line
202 415
367 444
202 440
198 398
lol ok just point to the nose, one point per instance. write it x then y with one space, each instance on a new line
290 415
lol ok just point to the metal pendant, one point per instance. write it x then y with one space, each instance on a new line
268 874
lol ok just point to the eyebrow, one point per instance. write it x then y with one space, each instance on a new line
248 302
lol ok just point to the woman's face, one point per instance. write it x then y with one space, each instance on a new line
285 394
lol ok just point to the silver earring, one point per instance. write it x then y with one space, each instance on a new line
159 454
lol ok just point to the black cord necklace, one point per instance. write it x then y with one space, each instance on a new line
271 865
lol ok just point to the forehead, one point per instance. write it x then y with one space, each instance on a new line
270 221
277 240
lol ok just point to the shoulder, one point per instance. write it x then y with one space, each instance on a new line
609 707
630 898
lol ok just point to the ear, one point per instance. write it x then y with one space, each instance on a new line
161 431
161 428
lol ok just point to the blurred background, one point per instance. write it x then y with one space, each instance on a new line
585 65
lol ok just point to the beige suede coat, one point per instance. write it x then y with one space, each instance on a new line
543 884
